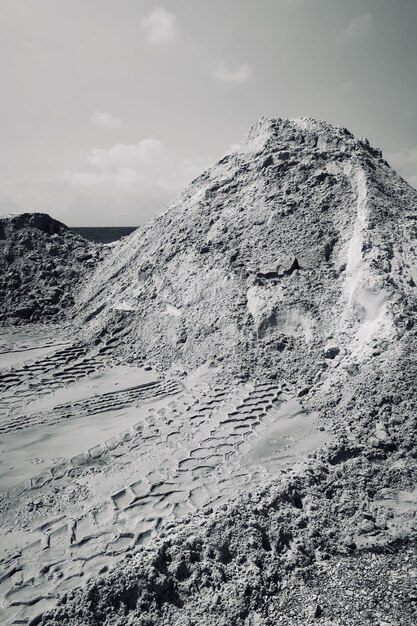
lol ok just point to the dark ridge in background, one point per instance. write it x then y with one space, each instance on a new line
103 234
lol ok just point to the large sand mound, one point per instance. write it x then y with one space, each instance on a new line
268 475
297 245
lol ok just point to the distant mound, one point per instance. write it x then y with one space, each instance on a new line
42 263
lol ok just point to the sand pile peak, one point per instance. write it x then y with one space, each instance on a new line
277 133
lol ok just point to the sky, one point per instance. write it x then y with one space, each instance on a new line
108 108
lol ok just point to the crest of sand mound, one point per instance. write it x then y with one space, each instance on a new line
292 249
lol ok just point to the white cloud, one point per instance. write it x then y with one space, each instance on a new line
413 181
124 185
135 168
160 26
36 52
123 155
105 120
122 165
405 163
240 74
9 206
234 147
404 158
121 178
358 28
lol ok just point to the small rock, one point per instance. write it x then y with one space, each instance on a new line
331 352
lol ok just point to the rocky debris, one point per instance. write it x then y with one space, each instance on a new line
331 352
42 264
285 553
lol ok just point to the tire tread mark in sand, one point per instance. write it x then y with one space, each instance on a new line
213 448
100 403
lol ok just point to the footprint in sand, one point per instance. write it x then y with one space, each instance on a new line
58 459
36 460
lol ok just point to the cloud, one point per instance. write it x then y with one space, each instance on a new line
234 147
105 120
122 155
413 181
124 184
358 28
405 163
121 178
36 52
9 205
135 168
404 158
240 74
160 26
123 166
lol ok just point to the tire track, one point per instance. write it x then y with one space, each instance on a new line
181 458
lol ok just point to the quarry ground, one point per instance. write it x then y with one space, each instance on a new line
96 456
100 459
